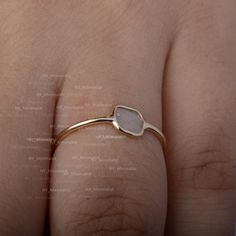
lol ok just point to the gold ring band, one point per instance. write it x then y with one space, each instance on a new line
125 119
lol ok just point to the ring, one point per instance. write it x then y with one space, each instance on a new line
125 119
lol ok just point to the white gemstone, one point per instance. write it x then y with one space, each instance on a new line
128 119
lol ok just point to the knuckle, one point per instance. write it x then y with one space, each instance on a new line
208 166
213 171
108 215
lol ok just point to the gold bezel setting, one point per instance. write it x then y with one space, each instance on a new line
125 130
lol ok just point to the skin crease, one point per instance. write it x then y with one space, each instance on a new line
66 61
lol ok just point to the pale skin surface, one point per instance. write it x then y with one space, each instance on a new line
66 61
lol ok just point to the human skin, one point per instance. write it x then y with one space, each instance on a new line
66 61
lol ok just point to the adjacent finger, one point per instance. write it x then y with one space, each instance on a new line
200 123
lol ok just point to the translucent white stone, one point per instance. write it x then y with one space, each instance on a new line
129 120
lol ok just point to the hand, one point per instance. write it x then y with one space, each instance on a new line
63 62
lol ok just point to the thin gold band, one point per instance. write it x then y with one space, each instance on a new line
114 120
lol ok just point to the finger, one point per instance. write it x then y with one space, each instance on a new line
200 113
26 116
107 183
